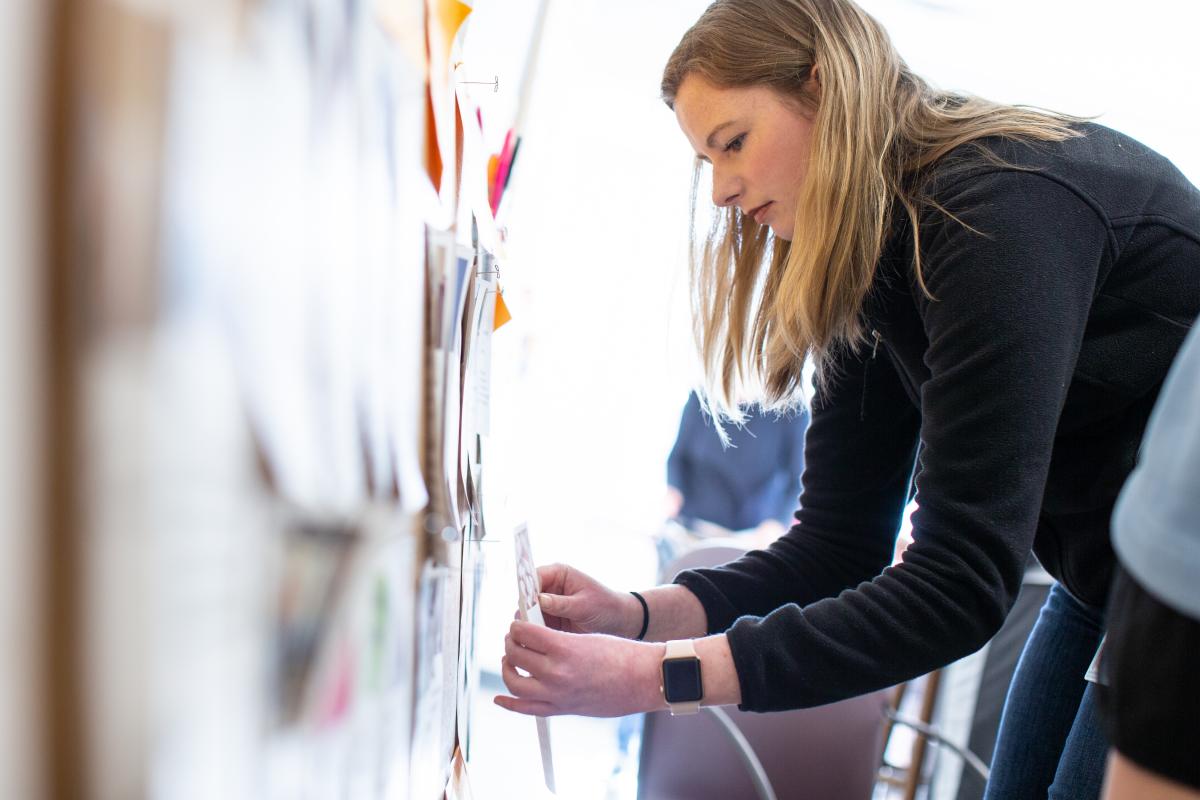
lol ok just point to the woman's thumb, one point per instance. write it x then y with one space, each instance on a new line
553 604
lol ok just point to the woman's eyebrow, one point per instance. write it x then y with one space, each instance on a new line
712 137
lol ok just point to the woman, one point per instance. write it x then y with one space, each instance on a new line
992 296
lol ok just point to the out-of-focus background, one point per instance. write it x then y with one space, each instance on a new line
247 550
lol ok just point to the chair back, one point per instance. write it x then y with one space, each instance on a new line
830 752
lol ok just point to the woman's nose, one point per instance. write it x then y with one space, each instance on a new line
725 191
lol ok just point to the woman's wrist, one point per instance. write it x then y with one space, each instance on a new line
641 634
718 674
674 613
651 677
632 616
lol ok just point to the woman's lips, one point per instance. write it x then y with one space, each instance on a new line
760 213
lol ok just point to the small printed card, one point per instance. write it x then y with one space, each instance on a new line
528 588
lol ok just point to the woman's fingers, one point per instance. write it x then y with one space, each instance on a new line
580 674
536 708
552 577
531 661
552 621
556 605
525 688
538 638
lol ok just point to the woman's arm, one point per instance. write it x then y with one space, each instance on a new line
575 602
859 453
1125 780
674 613
605 672
1013 297
601 676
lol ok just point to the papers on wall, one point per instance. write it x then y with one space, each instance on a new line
446 274
428 755
300 205
295 202
444 19
264 184
468 667
313 576
459 786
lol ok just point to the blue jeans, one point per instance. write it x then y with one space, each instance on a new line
1050 742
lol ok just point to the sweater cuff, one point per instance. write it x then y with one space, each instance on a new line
743 637
750 643
718 611
748 660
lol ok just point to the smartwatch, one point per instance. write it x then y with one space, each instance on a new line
681 684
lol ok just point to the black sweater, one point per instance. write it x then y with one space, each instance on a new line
1014 404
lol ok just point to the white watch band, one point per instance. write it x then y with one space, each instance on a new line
681 648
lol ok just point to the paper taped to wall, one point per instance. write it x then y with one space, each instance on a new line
528 588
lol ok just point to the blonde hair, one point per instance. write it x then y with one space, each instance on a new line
877 128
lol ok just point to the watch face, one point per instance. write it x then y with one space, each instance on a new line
681 680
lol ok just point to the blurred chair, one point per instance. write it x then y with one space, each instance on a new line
827 753
914 778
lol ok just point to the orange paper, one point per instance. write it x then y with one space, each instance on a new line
433 153
502 315
451 14
493 169
445 18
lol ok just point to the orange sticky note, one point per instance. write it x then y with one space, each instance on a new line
433 153
493 169
445 18
451 14
502 314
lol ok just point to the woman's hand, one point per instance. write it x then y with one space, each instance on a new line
672 503
591 675
576 603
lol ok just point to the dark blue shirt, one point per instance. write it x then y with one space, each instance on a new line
757 478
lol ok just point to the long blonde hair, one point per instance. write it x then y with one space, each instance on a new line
877 128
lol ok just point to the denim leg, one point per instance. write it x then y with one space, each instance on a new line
1081 768
1043 700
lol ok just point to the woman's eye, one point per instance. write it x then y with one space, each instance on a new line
735 144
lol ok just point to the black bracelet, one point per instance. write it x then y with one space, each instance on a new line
645 616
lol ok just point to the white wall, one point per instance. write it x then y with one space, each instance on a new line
1133 64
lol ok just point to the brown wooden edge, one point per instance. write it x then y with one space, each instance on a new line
63 751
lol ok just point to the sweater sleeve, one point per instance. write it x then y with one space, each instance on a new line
859 454
1013 283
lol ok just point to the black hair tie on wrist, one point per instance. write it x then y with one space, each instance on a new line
645 615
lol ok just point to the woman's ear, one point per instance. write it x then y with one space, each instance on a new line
815 74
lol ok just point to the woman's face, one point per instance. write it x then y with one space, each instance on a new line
757 142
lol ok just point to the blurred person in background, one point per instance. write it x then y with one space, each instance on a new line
1150 667
747 488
